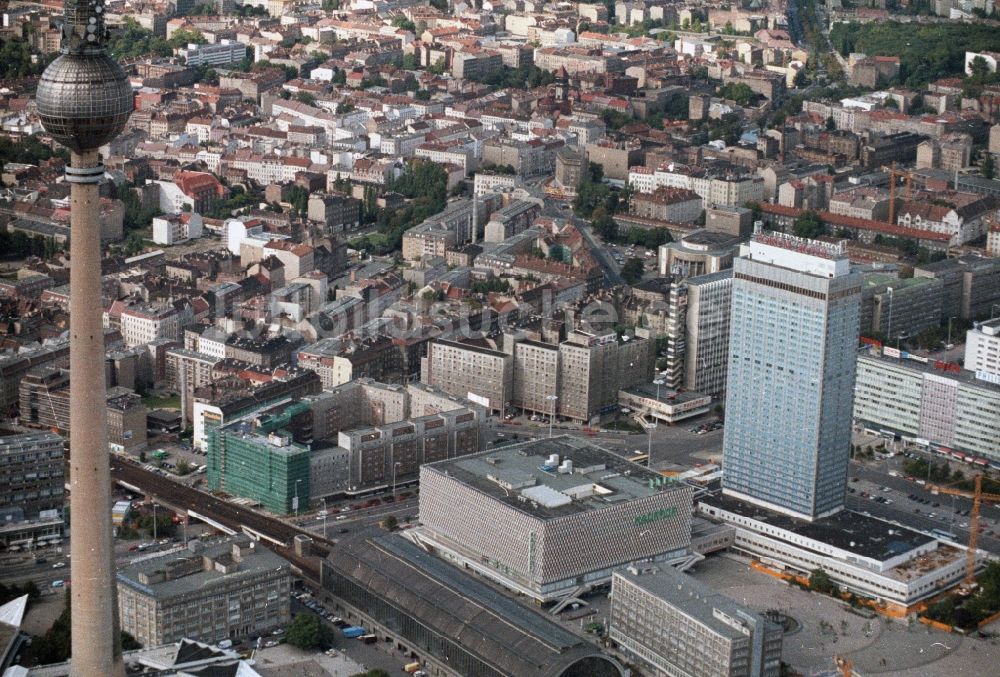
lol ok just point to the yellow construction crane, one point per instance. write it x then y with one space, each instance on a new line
977 498
893 175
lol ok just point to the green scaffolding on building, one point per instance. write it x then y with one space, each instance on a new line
256 458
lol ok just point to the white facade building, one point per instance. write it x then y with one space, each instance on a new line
982 349
176 228
225 53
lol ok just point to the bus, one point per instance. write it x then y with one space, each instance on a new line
944 535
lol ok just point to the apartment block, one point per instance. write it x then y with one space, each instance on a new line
593 368
895 307
145 324
971 284
536 376
482 375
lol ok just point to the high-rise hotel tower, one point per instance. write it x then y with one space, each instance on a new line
790 382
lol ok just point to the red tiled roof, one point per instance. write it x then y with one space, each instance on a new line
860 224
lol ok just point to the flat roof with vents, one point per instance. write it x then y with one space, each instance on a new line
521 475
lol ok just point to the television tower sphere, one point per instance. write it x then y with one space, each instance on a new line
84 97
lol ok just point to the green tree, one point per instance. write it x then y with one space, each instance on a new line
808 224
134 244
820 581
978 68
308 632
17 60
632 270
306 98
390 523
740 93
185 37
604 224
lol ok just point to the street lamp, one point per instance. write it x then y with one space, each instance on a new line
552 416
888 331
652 423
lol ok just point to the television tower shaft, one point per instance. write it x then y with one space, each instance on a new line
96 644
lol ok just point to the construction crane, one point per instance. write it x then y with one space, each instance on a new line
977 497
895 174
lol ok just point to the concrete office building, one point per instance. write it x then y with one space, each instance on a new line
230 588
790 386
381 456
680 627
971 284
982 349
900 307
551 518
484 376
31 474
706 344
935 401
593 368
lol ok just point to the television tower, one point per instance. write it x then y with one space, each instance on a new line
84 101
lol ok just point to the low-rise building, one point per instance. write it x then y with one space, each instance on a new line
232 588
674 205
223 53
858 553
701 252
664 405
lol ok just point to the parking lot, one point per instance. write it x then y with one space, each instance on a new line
382 655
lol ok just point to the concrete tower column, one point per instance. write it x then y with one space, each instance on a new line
95 635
